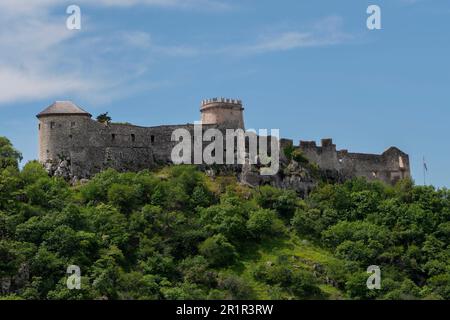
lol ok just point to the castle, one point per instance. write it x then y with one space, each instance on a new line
70 140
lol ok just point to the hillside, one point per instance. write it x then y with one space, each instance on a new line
176 233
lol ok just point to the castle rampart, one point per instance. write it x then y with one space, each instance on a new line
68 134
389 167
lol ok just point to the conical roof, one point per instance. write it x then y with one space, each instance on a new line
63 108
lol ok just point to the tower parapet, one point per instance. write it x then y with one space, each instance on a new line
224 112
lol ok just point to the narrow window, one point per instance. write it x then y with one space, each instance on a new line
70 136
72 124
52 125
133 138
152 138
113 136
39 126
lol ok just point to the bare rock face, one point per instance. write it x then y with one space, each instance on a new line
49 167
74 181
250 175
63 170
298 184
84 181
290 176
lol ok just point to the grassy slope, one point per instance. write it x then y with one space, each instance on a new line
305 255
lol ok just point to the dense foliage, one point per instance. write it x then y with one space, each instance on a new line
177 234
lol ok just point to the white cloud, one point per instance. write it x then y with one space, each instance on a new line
179 4
278 42
137 39
27 7
325 32
28 85
40 58
29 37
35 6
410 1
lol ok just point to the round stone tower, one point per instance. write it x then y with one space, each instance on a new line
227 113
62 127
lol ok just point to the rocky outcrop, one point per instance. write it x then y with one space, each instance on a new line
59 168
63 170
292 175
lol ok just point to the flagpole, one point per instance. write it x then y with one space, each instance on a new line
424 172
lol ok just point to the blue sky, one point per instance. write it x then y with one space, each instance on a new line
308 67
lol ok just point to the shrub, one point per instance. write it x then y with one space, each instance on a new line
32 172
264 223
282 201
123 197
218 251
236 287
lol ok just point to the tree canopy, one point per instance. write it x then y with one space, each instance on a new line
175 233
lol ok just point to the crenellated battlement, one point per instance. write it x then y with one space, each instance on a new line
389 166
223 112
221 100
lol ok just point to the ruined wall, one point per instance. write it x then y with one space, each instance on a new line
325 156
389 167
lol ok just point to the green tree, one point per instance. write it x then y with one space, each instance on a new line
218 251
104 118
283 201
356 287
124 197
264 223
225 219
9 157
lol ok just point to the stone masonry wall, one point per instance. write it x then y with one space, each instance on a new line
389 167
88 147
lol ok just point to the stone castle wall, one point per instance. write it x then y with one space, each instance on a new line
88 146
390 166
